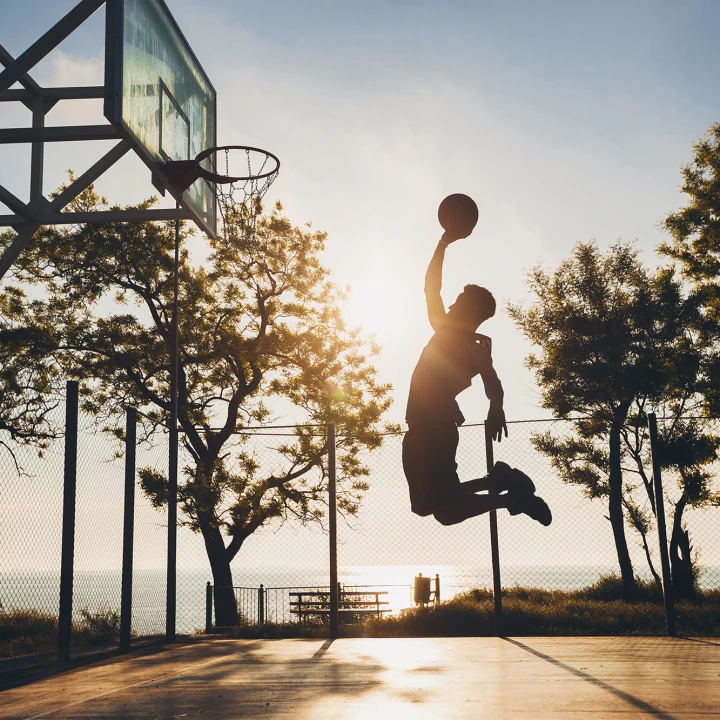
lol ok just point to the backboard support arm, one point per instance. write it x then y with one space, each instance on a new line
27 218
48 42
30 86
34 218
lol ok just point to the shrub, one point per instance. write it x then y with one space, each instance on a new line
32 632
98 628
611 587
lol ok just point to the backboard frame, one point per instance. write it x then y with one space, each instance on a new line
113 109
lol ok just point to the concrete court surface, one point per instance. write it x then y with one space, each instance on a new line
438 678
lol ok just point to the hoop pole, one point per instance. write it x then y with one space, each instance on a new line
171 608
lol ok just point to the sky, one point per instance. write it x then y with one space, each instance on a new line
565 121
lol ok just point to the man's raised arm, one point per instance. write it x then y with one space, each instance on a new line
433 286
433 278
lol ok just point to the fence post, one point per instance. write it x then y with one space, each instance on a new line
662 533
128 530
494 546
208 607
437 588
332 510
68 529
261 604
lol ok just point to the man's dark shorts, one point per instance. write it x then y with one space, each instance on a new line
430 469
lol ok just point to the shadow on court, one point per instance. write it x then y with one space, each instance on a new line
640 704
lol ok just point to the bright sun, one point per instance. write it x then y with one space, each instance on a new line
377 305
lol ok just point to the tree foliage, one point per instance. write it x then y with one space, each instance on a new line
29 376
695 229
695 244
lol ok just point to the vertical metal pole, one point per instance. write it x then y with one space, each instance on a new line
128 530
437 588
208 607
662 534
37 155
494 545
332 510
68 529
261 604
171 607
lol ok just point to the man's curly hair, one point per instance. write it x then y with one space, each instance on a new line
481 298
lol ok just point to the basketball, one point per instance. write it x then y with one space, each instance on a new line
458 213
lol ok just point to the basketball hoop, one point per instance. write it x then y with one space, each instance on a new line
248 174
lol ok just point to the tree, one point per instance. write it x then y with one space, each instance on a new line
615 342
260 322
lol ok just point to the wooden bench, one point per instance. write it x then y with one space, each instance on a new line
352 604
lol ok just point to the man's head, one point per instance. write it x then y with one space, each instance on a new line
473 306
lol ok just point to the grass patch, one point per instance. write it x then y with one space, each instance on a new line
604 608
276 631
27 632
599 609
32 632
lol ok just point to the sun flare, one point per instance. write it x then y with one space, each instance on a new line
377 305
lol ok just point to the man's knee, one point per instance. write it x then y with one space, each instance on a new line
449 514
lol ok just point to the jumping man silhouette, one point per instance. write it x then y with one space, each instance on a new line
454 355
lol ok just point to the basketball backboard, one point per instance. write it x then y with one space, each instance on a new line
159 97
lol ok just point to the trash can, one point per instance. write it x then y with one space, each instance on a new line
421 594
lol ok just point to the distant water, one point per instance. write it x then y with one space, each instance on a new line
100 590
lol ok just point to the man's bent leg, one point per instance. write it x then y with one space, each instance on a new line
501 478
418 460
464 507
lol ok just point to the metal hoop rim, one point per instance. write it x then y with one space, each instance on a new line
225 179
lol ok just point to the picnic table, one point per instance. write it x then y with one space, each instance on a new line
352 604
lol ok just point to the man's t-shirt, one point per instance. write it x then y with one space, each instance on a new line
446 367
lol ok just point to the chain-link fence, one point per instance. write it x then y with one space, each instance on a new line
30 538
569 570
31 549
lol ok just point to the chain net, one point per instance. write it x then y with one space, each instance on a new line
240 201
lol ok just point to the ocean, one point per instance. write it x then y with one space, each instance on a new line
99 590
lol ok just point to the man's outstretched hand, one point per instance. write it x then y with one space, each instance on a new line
450 236
496 422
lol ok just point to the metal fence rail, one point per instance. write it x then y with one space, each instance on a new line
259 605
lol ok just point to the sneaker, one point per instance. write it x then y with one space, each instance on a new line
532 506
511 479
